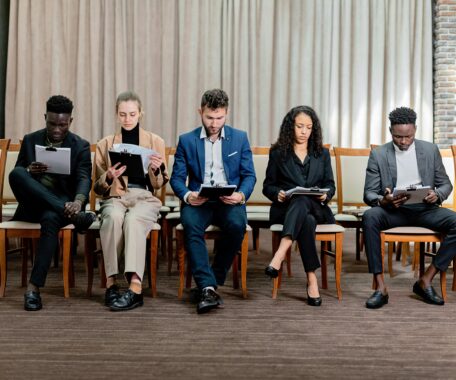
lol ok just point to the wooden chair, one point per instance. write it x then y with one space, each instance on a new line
19 229
90 245
419 236
325 233
212 232
351 166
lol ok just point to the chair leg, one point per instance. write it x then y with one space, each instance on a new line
169 244
443 284
244 257
288 259
338 266
324 266
154 235
275 286
24 264
66 237
102 270
2 262
181 261
453 288
422 258
390 259
357 244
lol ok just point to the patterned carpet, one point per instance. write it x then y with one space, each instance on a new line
257 338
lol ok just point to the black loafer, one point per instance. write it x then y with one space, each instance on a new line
82 221
271 272
313 301
32 301
377 300
428 294
127 301
209 300
112 294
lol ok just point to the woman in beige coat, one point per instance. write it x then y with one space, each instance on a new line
130 206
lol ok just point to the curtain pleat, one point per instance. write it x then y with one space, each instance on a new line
353 61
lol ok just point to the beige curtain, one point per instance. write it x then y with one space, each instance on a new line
352 60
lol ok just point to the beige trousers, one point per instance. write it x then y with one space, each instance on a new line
125 224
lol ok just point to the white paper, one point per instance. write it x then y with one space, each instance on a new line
136 149
298 190
58 160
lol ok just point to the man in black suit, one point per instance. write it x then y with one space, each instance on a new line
53 200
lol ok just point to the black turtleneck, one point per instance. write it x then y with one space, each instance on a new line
132 137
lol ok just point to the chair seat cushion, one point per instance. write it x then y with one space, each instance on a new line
258 216
410 230
19 225
257 209
346 218
321 228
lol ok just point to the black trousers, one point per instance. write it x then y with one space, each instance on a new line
38 204
299 221
436 218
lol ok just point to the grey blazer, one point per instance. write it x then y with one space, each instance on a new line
381 171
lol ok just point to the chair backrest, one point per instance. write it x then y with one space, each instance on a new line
4 145
93 195
334 170
167 191
351 164
260 162
11 159
449 163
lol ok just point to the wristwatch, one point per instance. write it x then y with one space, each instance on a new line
243 198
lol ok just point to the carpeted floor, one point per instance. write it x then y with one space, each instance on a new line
256 338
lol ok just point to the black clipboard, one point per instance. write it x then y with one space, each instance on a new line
214 192
133 162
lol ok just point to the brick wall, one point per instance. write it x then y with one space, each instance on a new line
445 72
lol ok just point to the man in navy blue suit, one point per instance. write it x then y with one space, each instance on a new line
213 154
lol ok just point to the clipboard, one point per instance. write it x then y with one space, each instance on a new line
132 161
298 190
57 159
416 193
216 191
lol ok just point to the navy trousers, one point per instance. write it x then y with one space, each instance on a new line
232 220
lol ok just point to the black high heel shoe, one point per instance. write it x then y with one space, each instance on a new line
313 301
271 272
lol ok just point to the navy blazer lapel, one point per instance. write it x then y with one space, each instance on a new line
226 150
200 154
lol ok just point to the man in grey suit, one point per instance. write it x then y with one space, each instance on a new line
401 163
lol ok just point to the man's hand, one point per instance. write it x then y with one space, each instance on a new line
196 200
323 197
432 197
396 201
281 197
72 208
232 199
155 161
115 171
37 168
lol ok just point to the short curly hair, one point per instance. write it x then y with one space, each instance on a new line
59 104
402 115
214 99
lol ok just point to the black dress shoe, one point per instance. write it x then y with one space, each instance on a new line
271 272
127 301
82 221
209 300
112 294
377 300
313 301
428 294
32 301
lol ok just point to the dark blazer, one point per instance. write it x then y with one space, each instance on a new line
381 171
79 181
189 162
282 174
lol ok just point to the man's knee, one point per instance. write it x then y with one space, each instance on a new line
372 216
16 176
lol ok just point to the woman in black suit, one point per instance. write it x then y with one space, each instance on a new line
298 158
